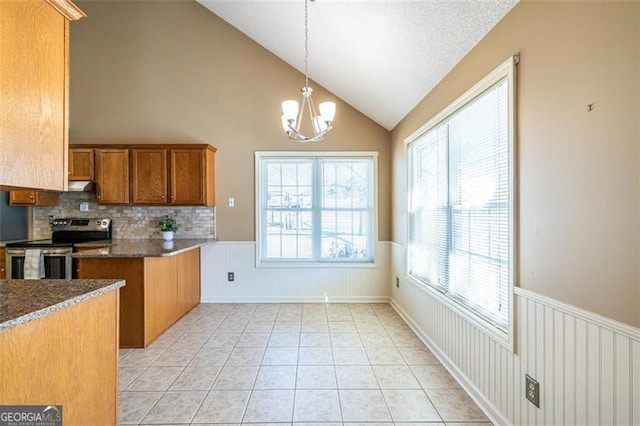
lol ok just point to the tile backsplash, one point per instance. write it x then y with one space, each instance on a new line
128 221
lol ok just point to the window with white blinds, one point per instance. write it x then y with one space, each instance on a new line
315 208
461 201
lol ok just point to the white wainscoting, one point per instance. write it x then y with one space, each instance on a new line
346 284
588 366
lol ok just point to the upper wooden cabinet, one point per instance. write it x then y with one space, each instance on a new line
81 166
33 198
34 83
112 175
154 175
149 176
192 176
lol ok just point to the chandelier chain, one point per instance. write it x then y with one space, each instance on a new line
293 111
306 43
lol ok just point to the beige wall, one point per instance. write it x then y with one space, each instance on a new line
579 181
171 71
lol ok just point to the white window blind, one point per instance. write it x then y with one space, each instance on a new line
315 208
460 210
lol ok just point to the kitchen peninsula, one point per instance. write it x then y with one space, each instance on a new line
57 337
163 281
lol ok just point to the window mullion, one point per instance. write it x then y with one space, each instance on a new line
317 208
448 173
263 206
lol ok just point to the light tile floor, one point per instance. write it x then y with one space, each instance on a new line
290 363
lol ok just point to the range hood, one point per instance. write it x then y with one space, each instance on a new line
80 186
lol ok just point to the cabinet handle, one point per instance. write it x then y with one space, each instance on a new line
31 196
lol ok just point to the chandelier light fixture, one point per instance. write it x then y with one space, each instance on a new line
293 112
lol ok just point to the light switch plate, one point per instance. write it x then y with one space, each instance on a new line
232 202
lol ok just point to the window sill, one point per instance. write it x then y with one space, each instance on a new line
316 265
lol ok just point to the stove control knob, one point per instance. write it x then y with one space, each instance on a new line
105 223
55 223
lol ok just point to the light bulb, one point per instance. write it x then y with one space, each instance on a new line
290 109
328 111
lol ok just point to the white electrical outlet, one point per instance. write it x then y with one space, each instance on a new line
84 206
532 390
232 202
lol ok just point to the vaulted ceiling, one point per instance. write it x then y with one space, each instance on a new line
381 57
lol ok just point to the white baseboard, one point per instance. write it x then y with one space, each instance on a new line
364 299
485 405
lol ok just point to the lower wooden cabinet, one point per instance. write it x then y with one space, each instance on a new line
161 295
69 358
188 280
159 291
34 198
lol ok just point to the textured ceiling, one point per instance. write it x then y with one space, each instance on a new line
381 57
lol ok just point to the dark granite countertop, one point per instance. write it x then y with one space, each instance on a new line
22 301
4 243
138 248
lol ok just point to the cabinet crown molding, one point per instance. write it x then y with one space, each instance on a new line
67 9
137 145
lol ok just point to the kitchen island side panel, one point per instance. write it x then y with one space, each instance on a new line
68 358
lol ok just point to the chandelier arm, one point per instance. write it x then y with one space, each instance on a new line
297 136
300 113
311 110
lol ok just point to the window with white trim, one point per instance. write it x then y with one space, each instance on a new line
461 195
315 207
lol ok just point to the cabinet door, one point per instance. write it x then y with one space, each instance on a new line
34 87
149 176
80 164
22 198
113 176
188 176
33 198
160 297
188 280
